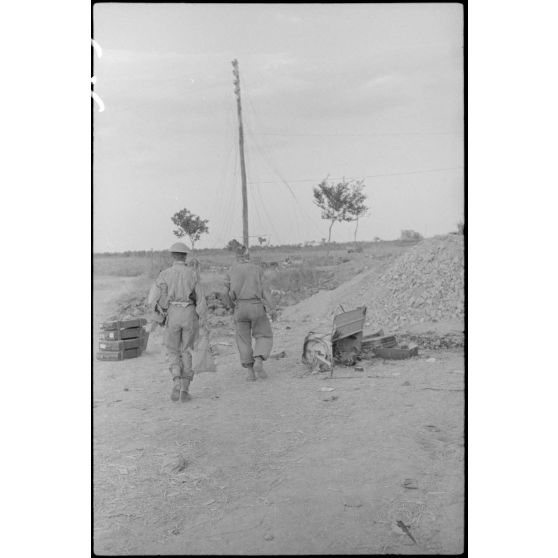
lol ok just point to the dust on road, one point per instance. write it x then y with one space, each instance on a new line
277 466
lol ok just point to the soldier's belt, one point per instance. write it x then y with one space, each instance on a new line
179 303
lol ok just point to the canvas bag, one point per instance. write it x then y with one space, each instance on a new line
202 359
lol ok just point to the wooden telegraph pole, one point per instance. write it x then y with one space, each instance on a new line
242 163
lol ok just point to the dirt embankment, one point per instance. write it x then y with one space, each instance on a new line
420 293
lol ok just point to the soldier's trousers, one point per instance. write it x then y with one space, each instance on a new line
181 332
251 321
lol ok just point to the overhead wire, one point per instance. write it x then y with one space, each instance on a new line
248 159
294 224
229 201
366 176
260 201
285 182
378 134
267 159
259 194
222 182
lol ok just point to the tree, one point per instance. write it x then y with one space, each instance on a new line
409 234
233 245
360 209
340 202
189 225
262 240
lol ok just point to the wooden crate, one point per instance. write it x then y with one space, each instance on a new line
123 324
119 355
120 334
122 344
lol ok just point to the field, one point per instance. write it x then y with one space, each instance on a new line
299 463
293 273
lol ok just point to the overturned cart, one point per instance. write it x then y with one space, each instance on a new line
346 344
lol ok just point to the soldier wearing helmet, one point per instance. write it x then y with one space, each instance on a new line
252 302
179 292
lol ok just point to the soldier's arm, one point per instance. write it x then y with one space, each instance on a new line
266 295
201 303
228 296
159 292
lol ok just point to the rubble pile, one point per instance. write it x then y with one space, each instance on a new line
425 284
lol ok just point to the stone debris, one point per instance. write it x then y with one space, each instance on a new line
425 285
426 282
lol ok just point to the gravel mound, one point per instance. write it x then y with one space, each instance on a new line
424 286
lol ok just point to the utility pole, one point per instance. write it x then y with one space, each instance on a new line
242 163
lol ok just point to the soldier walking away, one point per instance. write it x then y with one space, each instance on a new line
179 293
252 302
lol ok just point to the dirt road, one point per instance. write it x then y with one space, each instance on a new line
277 466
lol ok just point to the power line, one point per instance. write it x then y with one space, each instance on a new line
288 134
267 160
273 168
361 135
366 176
223 183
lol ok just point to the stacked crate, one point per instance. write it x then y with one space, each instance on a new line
122 339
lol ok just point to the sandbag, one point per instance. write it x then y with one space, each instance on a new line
202 359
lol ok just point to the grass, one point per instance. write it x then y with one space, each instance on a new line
309 270
130 264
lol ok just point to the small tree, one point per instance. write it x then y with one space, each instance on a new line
262 240
189 225
360 210
409 234
340 202
233 245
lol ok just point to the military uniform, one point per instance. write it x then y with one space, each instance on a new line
181 295
245 288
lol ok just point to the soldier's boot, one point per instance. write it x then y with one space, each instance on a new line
184 385
259 369
250 376
175 393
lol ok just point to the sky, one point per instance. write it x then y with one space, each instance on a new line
355 91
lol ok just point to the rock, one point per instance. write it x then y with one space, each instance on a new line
411 484
268 537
